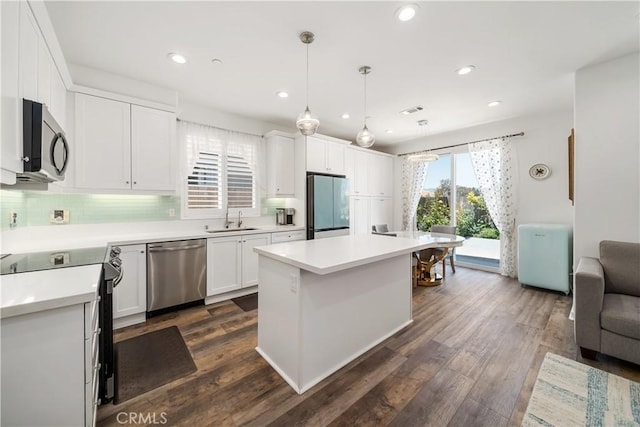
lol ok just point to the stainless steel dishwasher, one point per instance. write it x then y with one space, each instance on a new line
176 273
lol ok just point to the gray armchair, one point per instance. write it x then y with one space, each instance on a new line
607 302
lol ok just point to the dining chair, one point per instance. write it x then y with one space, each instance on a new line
445 229
380 228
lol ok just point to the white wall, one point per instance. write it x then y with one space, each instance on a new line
98 79
607 144
209 116
545 141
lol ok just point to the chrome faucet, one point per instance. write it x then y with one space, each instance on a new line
239 219
227 223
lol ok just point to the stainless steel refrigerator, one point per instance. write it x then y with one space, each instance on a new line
327 206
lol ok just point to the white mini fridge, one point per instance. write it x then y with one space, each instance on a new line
545 256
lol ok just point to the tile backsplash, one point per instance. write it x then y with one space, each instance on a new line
33 208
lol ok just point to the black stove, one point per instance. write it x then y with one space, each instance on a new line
36 261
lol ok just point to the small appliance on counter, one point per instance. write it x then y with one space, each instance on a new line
280 216
284 216
288 214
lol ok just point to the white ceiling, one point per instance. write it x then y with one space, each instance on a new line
525 54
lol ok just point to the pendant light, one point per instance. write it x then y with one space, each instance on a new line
307 122
365 138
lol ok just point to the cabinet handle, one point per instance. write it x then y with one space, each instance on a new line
126 182
141 252
135 182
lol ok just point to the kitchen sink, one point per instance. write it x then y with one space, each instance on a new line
228 230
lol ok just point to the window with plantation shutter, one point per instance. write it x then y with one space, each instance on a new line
204 182
221 170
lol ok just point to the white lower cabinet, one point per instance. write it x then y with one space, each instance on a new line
288 236
359 210
369 211
381 211
49 367
250 258
130 296
231 262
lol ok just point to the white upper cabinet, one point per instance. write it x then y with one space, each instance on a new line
280 165
326 156
11 110
39 77
153 159
124 147
58 106
103 141
29 48
44 75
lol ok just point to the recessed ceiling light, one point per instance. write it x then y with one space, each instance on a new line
345 115
282 94
465 70
389 131
177 58
494 103
406 12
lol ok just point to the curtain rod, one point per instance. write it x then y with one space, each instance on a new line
215 127
464 143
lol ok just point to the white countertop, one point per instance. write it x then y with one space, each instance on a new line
91 235
324 256
24 293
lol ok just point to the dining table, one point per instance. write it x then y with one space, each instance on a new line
424 272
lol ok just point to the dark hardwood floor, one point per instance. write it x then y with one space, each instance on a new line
469 359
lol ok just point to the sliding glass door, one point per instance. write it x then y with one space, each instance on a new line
451 195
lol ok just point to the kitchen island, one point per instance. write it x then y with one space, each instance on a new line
322 303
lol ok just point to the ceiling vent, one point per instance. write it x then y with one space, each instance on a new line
423 122
412 110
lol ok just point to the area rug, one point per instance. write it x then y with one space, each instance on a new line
148 361
247 302
568 393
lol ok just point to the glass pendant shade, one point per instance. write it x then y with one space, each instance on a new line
307 122
365 138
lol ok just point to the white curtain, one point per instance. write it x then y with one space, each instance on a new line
413 173
494 165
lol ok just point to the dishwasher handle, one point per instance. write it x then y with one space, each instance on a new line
176 248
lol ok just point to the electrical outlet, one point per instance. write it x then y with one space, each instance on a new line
172 212
13 219
59 216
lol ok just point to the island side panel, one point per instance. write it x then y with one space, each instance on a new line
279 318
346 313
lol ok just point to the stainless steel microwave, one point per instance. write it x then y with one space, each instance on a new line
45 147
